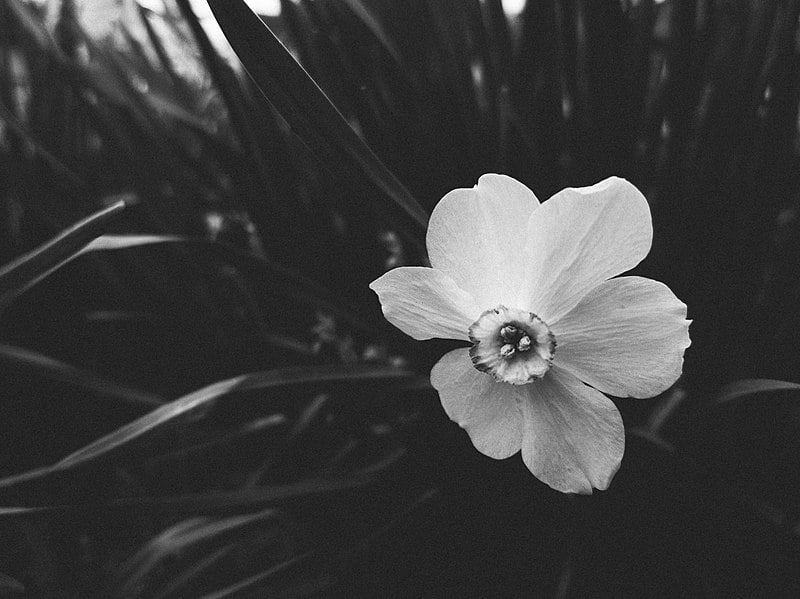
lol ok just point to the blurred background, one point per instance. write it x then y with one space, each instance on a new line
199 396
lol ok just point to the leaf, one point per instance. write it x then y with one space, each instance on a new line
49 368
203 502
168 416
121 242
34 29
64 254
364 13
199 567
306 107
297 577
27 270
58 167
283 281
241 117
180 554
747 388
202 399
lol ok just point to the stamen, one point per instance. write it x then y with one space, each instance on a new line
509 333
524 344
507 350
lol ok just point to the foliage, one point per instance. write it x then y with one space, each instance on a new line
200 395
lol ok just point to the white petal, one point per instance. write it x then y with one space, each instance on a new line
626 337
579 238
425 303
573 436
487 410
477 236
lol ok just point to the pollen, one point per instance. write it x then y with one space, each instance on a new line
514 346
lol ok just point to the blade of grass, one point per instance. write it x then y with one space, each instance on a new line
182 89
283 281
293 573
203 399
182 543
27 270
58 167
252 439
179 581
133 435
306 107
232 97
309 414
749 388
108 75
31 26
209 502
365 14
101 387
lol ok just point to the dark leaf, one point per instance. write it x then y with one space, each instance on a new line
747 389
27 270
306 108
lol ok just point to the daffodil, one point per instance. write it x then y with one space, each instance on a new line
534 289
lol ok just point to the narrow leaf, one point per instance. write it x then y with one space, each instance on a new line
204 398
299 571
305 106
198 402
283 281
364 13
163 556
54 370
30 268
222 502
746 388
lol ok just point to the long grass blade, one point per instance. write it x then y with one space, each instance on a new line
58 167
283 281
209 502
297 572
305 106
234 102
27 270
56 257
204 398
193 405
187 543
48 368
365 14
750 388
199 567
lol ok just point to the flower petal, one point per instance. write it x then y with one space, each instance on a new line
579 238
477 236
425 303
573 436
626 337
487 410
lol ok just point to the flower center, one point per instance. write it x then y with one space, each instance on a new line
512 345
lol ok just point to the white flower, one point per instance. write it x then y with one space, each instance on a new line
529 285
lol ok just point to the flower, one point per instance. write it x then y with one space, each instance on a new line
530 286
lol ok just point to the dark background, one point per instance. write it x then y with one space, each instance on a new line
249 425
